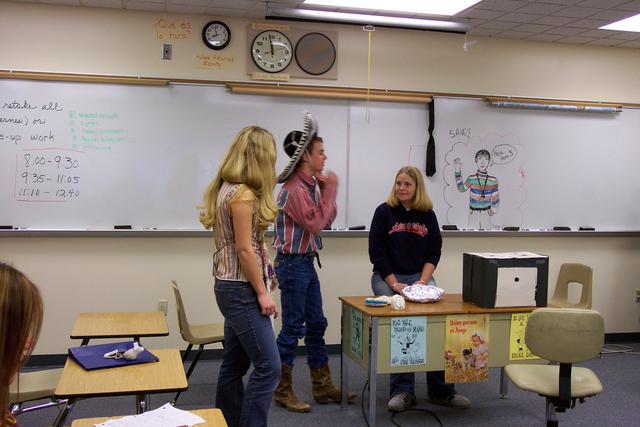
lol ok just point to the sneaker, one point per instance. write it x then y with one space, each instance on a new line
400 402
455 401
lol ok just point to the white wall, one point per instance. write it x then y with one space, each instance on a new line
109 273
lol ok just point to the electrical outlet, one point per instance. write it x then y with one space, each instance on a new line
166 51
638 295
163 304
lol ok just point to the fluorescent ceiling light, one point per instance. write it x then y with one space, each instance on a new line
629 24
354 18
427 7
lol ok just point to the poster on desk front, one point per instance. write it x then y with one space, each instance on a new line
518 350
466 351
408 341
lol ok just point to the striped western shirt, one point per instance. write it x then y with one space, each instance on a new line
304 210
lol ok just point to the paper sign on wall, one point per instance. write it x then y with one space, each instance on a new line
408 341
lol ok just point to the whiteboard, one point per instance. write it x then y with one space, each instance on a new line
553 168
100 155
91 156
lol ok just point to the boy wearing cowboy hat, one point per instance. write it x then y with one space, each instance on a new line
306 205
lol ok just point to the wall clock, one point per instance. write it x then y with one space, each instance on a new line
271 51
216 35
315 53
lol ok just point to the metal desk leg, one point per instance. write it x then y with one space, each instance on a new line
62 415
373 363
503 383
344 367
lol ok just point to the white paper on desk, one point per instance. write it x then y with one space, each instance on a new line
165 416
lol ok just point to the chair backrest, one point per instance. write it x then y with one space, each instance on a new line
565 335
573 273
185 329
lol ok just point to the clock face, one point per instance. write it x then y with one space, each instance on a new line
271 51
216 35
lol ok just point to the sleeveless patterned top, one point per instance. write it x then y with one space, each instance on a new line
226 264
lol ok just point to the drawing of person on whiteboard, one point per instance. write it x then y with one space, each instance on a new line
484 199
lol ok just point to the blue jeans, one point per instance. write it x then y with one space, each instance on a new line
302 315
405 382
248 338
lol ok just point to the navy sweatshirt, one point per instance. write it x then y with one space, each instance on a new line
402 241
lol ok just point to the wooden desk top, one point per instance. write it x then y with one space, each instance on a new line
166 375
449 304
212 418
120 325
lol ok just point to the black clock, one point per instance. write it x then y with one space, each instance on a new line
216 35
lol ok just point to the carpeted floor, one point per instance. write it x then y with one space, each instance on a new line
618 405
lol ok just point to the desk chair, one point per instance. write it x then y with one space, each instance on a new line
36 385
201 334
572 273
565 336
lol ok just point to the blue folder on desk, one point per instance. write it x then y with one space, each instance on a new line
91 357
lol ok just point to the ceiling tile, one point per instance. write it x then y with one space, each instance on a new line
62 2
553 20
603 4
483 32
612 15
501 5
185 9
635 44
577 12
111 4
499 25
598 33
606 42
145 5
514 34
588 23
574 39
623 35
519 17
632 5
563 2
479 14
544 37
534 28
565 31
540 8
234 4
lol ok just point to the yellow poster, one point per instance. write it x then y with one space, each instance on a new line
466 353
518 350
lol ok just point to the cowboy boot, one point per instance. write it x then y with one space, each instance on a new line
323 389
284 395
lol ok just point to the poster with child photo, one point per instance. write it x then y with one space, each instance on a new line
466 348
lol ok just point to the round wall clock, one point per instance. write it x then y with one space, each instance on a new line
271 51
315 53
216 35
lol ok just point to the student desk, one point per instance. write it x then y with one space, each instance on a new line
212 418
165 376
119 325
376 337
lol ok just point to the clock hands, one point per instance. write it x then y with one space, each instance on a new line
271 44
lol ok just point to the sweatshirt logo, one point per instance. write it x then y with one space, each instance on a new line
409 227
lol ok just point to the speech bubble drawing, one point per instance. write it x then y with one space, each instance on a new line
503 154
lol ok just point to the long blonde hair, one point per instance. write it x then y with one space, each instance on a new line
251 161
421 200
21 312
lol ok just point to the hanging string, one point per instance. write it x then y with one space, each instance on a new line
369 29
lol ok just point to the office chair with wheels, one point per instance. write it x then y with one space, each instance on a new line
565 336
200 334
36 385
572 273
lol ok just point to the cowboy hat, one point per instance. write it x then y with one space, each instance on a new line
296 143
